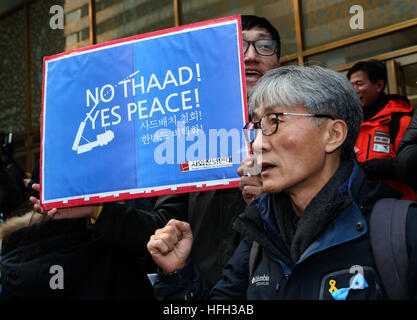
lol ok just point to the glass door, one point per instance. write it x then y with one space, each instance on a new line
402 77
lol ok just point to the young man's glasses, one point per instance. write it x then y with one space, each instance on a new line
268 124
264 47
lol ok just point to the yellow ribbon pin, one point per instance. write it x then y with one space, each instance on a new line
332 286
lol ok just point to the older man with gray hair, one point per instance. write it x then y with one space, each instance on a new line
311 223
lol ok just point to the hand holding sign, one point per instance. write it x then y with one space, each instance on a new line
64 213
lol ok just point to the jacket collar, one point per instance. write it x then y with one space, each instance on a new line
322 209
258 224
385 106
349 223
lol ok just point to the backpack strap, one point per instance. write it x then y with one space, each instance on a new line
389 245
254 253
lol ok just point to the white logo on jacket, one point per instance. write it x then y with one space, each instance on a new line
262 280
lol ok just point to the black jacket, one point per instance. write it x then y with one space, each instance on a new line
339 247
407 154
89 270
210 214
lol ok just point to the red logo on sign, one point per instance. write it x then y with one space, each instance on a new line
184 166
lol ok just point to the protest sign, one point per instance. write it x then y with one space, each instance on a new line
147 115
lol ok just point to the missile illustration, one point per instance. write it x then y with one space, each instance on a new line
79 135
102 139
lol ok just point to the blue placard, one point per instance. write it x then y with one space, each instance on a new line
145 115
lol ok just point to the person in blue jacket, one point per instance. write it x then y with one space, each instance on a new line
311 223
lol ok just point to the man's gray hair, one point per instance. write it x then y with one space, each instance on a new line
318 89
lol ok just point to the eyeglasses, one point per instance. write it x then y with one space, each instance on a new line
264 47
268 124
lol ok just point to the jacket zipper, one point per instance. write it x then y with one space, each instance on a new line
281 285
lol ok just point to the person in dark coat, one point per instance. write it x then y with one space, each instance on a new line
211 213
407 154
47 259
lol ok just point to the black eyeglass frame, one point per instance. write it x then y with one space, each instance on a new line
258 124
274 42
